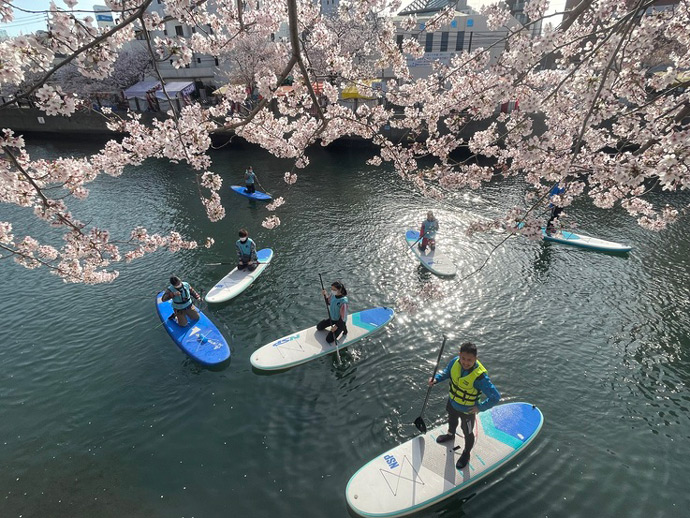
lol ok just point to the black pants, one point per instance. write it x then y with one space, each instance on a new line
250 188
555 212
466 424
342 328
251 266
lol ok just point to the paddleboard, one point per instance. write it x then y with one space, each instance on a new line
420 472
237 281
258 195
309 344
200 339
571 238
434 260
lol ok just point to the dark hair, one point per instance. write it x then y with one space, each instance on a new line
468 347
174 280
340 287
243 232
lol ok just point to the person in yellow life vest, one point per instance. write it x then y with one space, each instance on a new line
468 379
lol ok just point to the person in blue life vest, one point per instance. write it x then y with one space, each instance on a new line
468 379
556 190
337 312
246 252
428 232
249 179
181 294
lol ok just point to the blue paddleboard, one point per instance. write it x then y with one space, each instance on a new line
420 472
258 195
201 339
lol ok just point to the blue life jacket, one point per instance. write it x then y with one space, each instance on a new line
184 299
556 190
430 228
334 308
245 249
249 178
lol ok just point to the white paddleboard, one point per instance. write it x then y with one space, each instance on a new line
593 243
420 472
237 281
309 344
434 260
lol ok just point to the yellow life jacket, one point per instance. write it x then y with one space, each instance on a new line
462 389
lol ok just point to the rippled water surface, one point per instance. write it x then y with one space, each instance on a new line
101 414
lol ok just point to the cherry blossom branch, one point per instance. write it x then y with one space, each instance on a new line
95 42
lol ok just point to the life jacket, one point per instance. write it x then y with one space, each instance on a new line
184 299
249 178
430 228
462 389
334 308
246 247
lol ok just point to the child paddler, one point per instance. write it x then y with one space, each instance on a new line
337 311
246 252
181 294
428 232
249 179
468 379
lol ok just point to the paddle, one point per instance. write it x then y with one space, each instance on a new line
419 422
328 310
262 187
229 264
420 237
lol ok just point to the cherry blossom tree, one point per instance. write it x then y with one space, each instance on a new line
596 119
132 65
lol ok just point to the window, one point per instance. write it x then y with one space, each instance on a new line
460 41
273 36
429 46
399 40
193 30
216 59
198 60
165 31
444 41
178 30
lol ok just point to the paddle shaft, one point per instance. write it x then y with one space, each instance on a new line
228 264
418 239
328 311
438 361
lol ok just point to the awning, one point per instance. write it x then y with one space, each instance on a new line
176 87
140 89
366 89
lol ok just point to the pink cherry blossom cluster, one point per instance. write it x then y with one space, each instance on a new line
271 222
275 204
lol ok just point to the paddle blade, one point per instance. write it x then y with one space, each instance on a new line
420 424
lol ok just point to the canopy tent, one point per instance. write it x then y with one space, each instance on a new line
140 89
152 92
176 89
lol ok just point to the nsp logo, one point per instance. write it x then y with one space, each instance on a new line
286 340
392 463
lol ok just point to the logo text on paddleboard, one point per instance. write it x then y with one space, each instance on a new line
390 460
286 340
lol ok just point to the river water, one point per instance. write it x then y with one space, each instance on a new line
101 414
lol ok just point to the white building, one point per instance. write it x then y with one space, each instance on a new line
467 31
